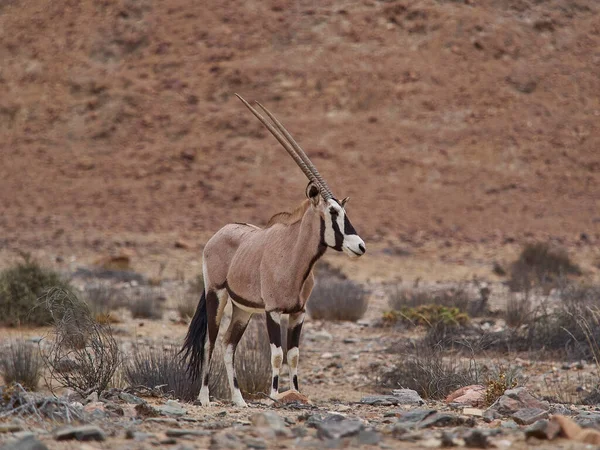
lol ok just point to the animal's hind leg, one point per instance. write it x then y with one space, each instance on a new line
293 344
274 330
215 304
237 326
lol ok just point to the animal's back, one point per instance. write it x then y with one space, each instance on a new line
220 250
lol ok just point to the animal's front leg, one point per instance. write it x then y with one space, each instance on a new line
293 344
274 330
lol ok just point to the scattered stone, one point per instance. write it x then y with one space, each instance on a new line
292 396
178 432
512 401
408 397
82 433
473 395
271 421
92 398
257 443
145 410
588 419
27 443
380 400
130 398
476 439
368 437
337 426
318 336
168 441
441 419
164 420
225 440
10 427
410 419
172 408
138 436
527 416
571 430
476 412
543 429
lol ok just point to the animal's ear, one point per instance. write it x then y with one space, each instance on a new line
346 200
312 192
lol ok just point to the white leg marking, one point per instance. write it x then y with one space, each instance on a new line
293 355
276 363
204 395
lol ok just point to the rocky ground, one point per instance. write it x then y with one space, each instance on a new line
340 363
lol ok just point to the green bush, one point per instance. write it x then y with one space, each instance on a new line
20 288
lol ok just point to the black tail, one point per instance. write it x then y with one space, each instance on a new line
193 346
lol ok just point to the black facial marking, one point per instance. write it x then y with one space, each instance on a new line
274 331
320 250
296 382
235 383
275 382
348 228
339 237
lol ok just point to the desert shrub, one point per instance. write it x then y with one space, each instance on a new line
196 285
161 369
425 370
540 264
518 310
324 270
147 306
83 354
252 364
102 300
456 297
186 305
20 362
333 299
497 381
20 288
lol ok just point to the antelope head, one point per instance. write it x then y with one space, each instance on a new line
339 234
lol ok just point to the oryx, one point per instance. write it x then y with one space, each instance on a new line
267 270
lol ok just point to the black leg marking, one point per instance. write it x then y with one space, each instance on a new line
274 331
296 382
235 383
293 337
276 382
205 382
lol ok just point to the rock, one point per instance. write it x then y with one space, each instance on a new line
380 400
292 396
560 409
96 410
138 436
527 416
588 419
441 419
27 443
318 336
476 412
410 419
408 397
92 398
368 437
543 429
172 408
473 395
257 443
132 399
82 433
336 426
477 439
512 401
271 421
225 440
145 410
571 430
10 427
163 420
167 441
178 432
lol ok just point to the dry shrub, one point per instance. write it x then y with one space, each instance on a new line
161 369
147 306
426 371
334 299
498 380
324 270
20 363
83 354
540 264
20 288
102 300
252 363
186 305
459 297
518 310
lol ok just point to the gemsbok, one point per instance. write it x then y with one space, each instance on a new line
267 270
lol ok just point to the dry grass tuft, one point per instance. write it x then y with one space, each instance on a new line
20 363
147 306
160 369
334 299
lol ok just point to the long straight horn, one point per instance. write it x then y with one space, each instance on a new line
327 194
283 142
